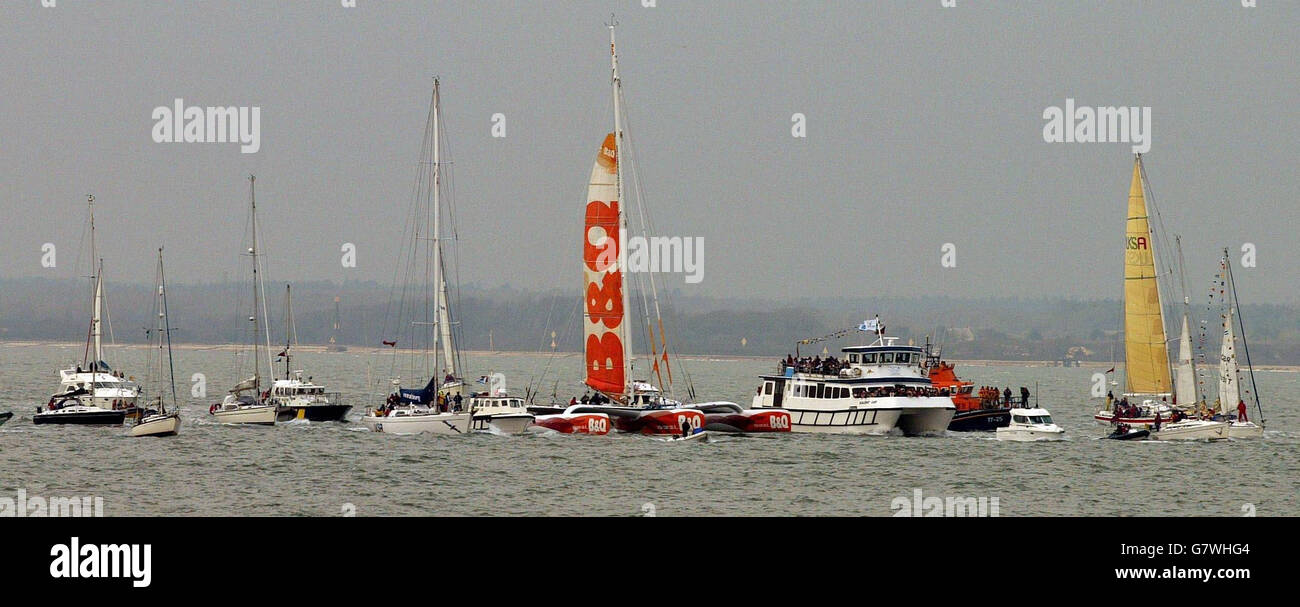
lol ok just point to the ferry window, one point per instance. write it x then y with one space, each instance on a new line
886 357
869 358
853 358
821 391
767 387
859 393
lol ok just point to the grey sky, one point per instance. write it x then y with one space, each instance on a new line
924 127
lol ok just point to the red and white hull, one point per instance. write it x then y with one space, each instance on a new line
575 423
730 417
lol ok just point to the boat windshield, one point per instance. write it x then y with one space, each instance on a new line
1041 419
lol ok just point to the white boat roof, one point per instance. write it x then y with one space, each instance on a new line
1034 411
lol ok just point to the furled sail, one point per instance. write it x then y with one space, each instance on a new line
1229 389
604 329
1185 382
1146 353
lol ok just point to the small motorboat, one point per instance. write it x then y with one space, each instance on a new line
499 413
243 409
571 422
1126 432
1031 425
4 416
699 434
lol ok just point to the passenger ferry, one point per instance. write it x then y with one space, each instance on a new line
873 390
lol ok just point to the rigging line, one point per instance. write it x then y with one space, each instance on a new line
646 227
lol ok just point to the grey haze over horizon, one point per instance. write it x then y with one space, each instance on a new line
924 128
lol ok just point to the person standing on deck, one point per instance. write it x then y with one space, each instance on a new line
1024 396
1241 411
1006 396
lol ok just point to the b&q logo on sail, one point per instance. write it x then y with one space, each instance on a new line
1137 242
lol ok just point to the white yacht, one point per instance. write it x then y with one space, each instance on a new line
1031 425
873 390
92 392
1190 429
159 419
245 403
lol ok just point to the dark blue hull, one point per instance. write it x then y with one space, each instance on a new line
980 420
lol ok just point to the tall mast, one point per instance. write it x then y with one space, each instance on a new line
258 300
622 202
437 213
288 326
97 266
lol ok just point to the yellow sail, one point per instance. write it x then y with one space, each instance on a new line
1146 354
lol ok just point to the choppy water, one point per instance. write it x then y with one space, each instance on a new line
319 469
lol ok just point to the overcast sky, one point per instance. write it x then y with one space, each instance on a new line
924 127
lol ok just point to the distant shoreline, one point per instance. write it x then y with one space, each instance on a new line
713 357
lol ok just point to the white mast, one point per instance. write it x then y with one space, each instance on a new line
620 150
437 234
97 266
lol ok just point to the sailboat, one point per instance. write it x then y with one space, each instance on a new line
1148 381
245 402
334 334
1231 406
633 405
294 396
92 392
438 407
161 420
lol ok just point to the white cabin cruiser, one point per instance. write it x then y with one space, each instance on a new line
1031 425
499 413
239 408
873 390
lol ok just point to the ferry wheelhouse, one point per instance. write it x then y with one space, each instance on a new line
299 398
872 390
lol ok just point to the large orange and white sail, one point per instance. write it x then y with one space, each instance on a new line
1146 353
604 317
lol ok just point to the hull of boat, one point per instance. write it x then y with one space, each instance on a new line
1245 430
441 423
980 420
102 417
510 423
158 425
575 423
1029 434
926 416
849 421
5 416
657 422
1134 435
702 435
263 416
313 413
1191 430
749 420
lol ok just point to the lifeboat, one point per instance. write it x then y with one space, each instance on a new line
730 417
570 422
976 412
